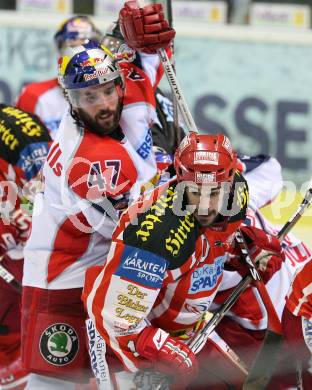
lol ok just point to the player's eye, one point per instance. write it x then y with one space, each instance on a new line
109 92
90 99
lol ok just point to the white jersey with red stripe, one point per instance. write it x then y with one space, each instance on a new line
62 243
162 269
249 310
79 166
299 297
264 177
45 99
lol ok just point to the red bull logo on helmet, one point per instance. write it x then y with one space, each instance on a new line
206 158
92 61
97 73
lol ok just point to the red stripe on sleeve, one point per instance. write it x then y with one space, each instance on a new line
71 236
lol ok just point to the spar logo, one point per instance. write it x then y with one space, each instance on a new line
59 344
205 278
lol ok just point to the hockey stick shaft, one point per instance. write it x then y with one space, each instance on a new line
306 202
9 278
175 86
177 91
229 302
263 367
273 320
200 339
174 100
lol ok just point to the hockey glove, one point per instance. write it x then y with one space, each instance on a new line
9 237
167 354
145 29
265 250
21 220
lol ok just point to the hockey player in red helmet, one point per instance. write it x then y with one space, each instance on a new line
165 267
208 163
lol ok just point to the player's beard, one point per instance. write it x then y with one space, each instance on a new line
105 122
205 220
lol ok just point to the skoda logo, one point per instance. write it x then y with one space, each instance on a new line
59 344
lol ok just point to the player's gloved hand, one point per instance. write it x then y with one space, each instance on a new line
145 29
21 220
265 250
167 354
8 237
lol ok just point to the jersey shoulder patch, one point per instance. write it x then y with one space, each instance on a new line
160 231
138 86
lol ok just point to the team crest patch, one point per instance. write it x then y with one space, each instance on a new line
59 344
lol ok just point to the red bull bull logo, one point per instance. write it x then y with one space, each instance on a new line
92 61
125 53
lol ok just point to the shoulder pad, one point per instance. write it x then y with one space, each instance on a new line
160 231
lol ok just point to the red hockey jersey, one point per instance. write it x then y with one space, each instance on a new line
162 269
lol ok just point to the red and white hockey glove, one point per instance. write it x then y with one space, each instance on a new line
145 29
266 252
21 220
167 354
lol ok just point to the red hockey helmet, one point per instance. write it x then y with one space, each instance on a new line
205 159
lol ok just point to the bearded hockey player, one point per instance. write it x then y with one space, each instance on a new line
165 265
100 159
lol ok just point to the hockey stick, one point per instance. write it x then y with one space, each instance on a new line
229 302
306 202
175 86
9 278
177 92
262 368
224 349
200 339
270 346
176 126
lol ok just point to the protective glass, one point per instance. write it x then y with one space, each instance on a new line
97 95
